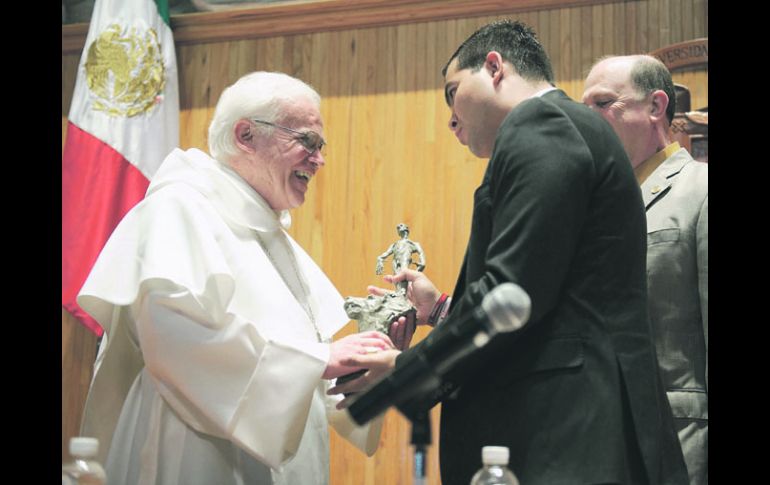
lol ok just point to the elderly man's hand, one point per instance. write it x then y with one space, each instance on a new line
345 349
377 363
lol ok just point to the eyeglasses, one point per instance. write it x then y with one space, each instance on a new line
310 140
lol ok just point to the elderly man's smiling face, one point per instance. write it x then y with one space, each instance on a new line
284 168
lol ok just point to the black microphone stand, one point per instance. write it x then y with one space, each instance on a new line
421 439
406 390
419 415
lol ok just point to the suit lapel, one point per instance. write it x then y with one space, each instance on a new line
663 177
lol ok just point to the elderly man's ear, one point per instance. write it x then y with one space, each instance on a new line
244 136
658 105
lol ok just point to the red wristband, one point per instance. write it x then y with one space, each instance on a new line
437 309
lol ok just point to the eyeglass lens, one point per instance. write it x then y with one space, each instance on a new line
312 141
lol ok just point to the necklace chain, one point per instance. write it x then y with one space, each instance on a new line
304 303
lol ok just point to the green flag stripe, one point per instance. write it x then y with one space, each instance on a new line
163 11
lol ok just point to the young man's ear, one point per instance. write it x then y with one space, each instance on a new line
658 105
494 66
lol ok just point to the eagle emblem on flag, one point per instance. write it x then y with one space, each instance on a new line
124 70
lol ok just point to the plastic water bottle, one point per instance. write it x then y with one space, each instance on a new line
495 470
83 469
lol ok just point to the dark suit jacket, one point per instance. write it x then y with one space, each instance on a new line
575 394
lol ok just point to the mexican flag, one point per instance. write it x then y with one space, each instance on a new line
123 121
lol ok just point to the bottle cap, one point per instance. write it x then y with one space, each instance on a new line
83 446
494 455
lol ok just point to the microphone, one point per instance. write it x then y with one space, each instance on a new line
504 309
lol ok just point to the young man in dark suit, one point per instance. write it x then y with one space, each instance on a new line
575 394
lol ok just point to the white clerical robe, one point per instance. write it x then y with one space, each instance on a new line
217 328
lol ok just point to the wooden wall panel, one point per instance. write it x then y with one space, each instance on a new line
391 157
78 351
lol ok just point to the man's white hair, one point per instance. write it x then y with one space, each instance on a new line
261 95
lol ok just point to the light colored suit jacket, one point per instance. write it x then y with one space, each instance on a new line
676 199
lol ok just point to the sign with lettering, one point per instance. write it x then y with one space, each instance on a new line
692 53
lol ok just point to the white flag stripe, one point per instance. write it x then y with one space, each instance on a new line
146 138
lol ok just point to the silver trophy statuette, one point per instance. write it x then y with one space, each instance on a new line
379 312
402 251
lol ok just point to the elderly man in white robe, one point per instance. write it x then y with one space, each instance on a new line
218 345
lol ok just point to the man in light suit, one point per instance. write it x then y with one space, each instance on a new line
575 395
635 94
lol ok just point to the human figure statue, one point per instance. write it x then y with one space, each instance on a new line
380 312
402 251
390 313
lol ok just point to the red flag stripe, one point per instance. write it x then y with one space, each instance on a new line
99 186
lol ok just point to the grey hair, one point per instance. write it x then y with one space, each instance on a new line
262 95
649 74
